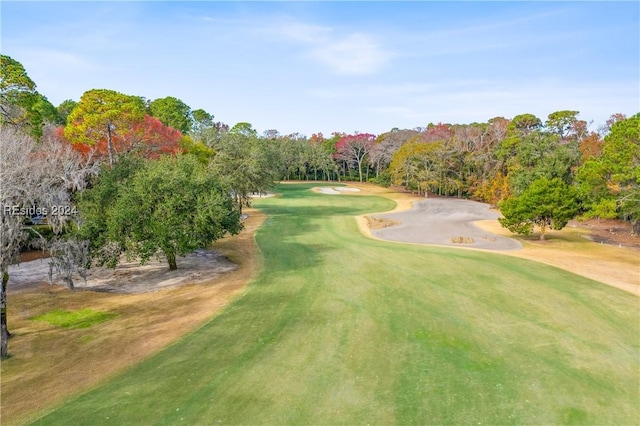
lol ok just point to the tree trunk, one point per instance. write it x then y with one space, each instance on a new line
3 317
543 229
171 258
69 280
110 146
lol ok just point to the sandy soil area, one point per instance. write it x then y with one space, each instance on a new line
127 277
336 190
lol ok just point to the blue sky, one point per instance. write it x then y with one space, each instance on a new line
338 66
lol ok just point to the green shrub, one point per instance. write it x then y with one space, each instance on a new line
383 179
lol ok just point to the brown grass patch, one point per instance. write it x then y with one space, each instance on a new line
570 250
49 364
379 222
462 240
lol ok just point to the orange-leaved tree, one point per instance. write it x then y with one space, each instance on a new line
101 116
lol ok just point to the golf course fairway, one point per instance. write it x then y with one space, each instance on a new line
343 329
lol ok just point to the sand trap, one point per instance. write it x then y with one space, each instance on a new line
335 190
445 221
128 277
326 190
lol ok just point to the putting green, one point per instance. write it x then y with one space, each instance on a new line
341 329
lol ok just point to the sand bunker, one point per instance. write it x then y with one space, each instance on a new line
128 277
326 190
445 221
335 190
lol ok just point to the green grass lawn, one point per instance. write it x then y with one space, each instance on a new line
82 318
341 329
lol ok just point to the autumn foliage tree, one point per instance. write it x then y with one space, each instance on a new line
415 165
386 145
147 137
353 149
102 116
437 132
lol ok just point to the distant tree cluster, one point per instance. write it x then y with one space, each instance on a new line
156 177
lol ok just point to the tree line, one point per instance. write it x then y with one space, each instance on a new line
155 177
490 161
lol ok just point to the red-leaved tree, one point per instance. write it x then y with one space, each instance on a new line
148 138
353 149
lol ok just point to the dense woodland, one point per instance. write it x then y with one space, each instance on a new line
126 167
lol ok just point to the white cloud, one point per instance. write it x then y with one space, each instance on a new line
340 51
354 54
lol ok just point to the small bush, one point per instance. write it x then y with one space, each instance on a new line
462 240
384 180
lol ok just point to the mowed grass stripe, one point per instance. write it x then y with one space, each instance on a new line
341 329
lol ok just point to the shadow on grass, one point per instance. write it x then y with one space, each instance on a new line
292 256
